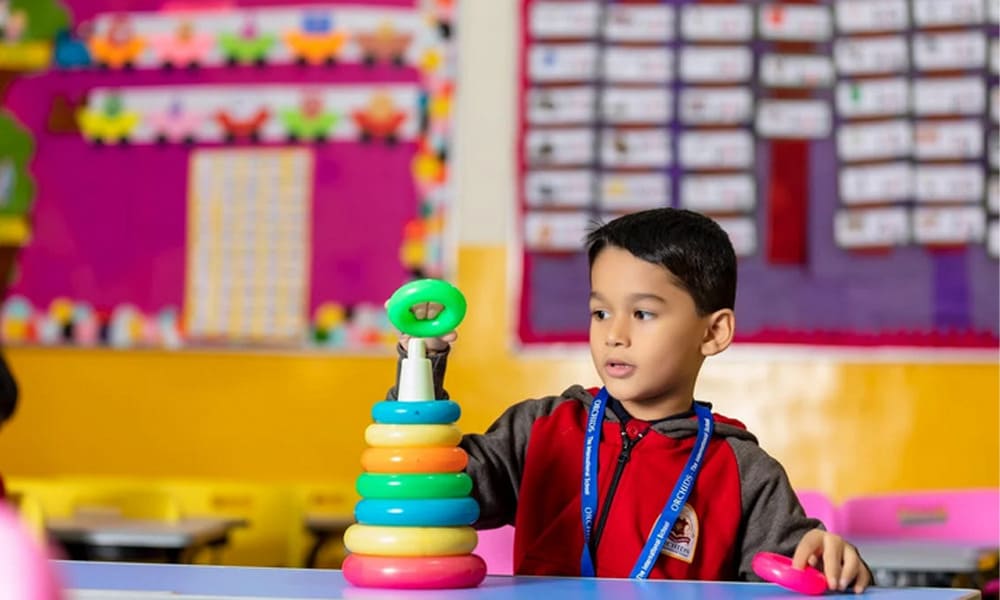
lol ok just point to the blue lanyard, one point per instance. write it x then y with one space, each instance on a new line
665 522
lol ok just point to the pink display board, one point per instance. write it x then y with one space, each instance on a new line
193 190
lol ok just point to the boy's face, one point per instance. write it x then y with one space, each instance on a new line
646 336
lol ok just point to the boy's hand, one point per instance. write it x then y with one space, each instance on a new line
429 310
838 560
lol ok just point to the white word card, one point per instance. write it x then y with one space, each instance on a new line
555 231
637 105
716 64
938 13
715 106
876 184
638 65
561 188
742 232
635 147
871 227
995 104
639 23
993 195
628 192
715 23
867 16
950 183
949 51
565 147
719 193
562 62
796 70
795 22
794 119
993 238
948 140
560 106
716 149
874 141
947 225
873 97
871 56
560 20
949 96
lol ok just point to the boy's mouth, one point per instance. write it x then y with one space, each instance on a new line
618 369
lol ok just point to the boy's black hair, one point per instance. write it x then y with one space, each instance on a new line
688 244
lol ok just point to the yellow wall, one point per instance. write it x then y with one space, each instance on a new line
839 427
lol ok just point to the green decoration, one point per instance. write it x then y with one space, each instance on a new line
243 49
43 19
303 127
17 189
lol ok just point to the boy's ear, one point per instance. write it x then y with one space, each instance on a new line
719 332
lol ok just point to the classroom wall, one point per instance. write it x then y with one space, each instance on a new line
841 424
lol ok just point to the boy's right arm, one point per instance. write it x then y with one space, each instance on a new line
496 458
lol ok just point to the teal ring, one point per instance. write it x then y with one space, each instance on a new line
430 512
432 412
426 290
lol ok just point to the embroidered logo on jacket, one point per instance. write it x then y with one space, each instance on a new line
683 538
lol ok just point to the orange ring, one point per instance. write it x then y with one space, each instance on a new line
414 460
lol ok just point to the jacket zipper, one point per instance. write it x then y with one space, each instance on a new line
627 444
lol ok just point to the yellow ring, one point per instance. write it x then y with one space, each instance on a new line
383 435
414 460
377 540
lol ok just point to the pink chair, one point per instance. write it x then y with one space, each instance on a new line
960 515
496 547
818 506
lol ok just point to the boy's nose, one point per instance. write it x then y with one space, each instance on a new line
617 334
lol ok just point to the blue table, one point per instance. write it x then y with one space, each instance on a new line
313 583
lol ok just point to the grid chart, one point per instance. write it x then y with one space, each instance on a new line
248 245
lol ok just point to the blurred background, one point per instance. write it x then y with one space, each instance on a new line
203 206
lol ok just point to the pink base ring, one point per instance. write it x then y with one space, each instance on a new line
778 569
414 573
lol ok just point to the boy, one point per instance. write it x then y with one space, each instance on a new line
588 478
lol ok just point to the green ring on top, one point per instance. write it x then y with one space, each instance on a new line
426 290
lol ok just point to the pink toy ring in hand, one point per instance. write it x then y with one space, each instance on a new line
778 569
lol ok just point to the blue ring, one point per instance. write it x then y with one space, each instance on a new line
437 512
431 412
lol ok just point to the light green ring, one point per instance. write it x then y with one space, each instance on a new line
413 485
426 290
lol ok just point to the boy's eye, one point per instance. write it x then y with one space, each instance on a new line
598 314
643 315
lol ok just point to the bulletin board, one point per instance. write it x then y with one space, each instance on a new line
240 174
848 147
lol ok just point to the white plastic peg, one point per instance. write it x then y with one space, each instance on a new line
416 380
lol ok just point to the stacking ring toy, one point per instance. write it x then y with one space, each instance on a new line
410 541
410 485
435 412
778 569
436 572
437 512
414 460
382 435
426 290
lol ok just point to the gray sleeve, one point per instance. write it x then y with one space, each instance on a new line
772 519
496 460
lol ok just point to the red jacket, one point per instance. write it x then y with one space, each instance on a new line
527 471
